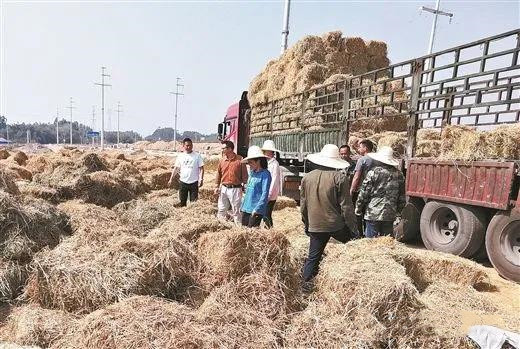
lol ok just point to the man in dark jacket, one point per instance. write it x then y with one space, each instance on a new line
326 205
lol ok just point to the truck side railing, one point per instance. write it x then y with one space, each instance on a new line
475 84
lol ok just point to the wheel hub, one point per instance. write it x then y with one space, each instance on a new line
444 225
510 242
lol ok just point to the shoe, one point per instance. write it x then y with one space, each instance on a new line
307 287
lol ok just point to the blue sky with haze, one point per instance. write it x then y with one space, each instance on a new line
54 50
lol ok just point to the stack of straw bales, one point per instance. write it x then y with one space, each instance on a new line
311 61
454 142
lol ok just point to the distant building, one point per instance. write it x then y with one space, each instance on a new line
4 141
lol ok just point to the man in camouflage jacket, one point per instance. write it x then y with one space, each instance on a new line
382 194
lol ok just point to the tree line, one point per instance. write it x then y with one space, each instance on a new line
45 133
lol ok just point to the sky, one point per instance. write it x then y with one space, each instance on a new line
53 50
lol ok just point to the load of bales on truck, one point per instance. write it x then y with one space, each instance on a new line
82 266
276 96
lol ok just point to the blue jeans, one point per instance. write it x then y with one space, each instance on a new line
374 229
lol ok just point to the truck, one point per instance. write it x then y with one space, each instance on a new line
467 208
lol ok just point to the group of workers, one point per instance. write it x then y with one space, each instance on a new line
340 197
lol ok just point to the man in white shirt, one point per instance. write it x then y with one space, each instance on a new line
190 167
276 180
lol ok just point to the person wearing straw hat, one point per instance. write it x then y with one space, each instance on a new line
382 194
326 206
273 166
254 203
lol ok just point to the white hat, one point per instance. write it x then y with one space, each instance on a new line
253 152
385 155
269 145
328 157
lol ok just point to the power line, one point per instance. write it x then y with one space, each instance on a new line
102 84
118 112
285 28
436 12
71 107
177 94
57 125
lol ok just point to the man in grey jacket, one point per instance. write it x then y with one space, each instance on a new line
326 205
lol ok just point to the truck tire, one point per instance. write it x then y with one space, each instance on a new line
408 228
451 228
503 244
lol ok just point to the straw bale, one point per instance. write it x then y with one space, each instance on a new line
395 140
310 62
145 215
376 48
230 254
7 183
428 148
158 178
28 226
368 288
283 202
39 191
503 142
20 157
12 280
33 325
197 224
4 154
251 311
103 188
429 134
137 322
81 277
16 171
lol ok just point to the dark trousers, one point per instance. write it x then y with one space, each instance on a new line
378 228
316 248
188 189
359 219
250 221
268 218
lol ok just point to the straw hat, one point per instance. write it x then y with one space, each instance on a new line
385 155
328 157
269 145
253 152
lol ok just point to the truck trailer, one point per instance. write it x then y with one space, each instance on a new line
467 208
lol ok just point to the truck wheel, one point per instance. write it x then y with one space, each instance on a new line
408 228
503 244
454 229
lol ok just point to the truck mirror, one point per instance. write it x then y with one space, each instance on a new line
220 130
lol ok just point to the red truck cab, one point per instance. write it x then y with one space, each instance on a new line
235 127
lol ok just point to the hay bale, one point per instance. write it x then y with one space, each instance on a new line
18 172
7 184
81 277
158 178
137 322
12 280
284 202
395 140
4 154
39 191
20 158
228 255
103 188
503 142
310 62
28 226
32 325
251 311
145 215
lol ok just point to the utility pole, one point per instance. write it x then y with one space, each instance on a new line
436 12
57 125
118 112
71 107
28 133
93 121
177 94
102 84
285 28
